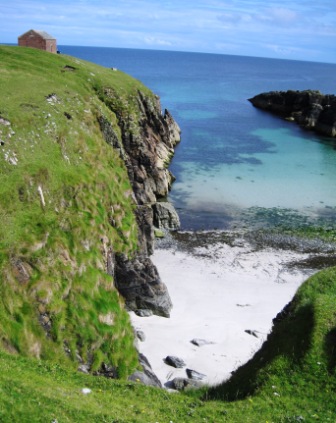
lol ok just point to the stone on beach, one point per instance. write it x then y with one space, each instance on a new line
174 361
201 342
181 383
252 332
192 374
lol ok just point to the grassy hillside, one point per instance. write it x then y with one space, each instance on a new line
292 379
66 203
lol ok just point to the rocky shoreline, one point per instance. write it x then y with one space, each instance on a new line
310 109
146 156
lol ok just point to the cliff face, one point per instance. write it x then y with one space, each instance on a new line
84 153
310 109
147 145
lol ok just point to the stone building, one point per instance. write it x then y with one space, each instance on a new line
38 39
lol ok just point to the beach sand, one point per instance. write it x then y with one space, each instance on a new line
218 292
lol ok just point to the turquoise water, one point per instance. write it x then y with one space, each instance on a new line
236 165
289 175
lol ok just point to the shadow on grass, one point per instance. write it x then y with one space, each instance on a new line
290 339
330 349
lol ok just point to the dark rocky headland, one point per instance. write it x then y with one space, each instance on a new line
310 109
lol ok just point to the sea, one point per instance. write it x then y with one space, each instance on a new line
236 166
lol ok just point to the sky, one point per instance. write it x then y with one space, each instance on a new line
285 29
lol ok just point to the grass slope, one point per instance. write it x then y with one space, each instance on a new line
291 379
66 203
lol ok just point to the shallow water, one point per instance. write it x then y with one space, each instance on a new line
236 165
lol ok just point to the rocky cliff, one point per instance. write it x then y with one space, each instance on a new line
146 147
84 153
310 109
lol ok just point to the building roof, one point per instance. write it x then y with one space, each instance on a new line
43 34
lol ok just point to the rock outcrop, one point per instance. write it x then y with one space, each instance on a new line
165 216
310 109
146 147
138 281
146 376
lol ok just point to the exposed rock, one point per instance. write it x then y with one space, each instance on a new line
111 136
107 371
144 216
173 128
4 121
147 151
140 335
147 376
180 384
146 145
138 281
165 216
107 319
84 368
109 259
173 361
200 342
252 332
68 68
52 99
309 108
192 374
143 312
22 271
45 321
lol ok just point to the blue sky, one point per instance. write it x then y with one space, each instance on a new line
300 30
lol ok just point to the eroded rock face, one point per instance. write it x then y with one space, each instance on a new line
139 282
146 147
165 216
144 216
310 109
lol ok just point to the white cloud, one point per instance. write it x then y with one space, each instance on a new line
283 15
216 25
153 41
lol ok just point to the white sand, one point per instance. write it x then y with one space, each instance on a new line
217 297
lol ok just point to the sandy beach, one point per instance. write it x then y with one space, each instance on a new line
218 292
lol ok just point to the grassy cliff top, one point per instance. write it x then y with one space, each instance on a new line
66 204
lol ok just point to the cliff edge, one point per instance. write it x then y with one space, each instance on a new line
84 154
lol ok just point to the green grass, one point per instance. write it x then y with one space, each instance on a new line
54 290
291 379
65 202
